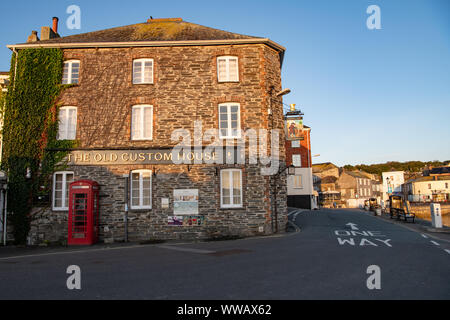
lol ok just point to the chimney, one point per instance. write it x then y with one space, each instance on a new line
55 25
50 33
33 37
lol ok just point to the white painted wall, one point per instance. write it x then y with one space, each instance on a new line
307 182
396 179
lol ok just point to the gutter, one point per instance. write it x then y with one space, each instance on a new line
265 41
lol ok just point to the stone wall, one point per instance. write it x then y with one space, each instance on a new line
185 89
423 211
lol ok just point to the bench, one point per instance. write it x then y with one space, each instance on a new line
404 213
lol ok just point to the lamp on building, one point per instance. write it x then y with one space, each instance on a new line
283 92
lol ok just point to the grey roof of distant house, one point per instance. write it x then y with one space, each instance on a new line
440 170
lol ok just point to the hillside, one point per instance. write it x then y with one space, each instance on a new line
410 166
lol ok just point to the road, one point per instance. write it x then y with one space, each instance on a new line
327 259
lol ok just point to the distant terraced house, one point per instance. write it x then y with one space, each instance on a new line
132 86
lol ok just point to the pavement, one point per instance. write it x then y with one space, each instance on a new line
332 257
420 225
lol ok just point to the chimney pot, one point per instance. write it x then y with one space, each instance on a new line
55 24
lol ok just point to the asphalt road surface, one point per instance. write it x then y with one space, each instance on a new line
328 259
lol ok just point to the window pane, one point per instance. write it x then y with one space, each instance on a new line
296 160
222 69
135 201
148 72
72 124
58 199
237 179
137 72
233 67
147 122
136 123
236 187
223 124
226 192
65 79
223 132
62 126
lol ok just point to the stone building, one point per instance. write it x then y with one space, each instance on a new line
355 187
133 86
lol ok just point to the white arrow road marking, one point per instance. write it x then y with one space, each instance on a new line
352 225
424 236
447 250
435 243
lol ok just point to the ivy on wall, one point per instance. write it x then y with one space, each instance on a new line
30 128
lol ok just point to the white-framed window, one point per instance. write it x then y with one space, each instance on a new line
67 128
227 69
231 188
296 160
142 122
71 72
60 192
298 183
143 71
229 120
295 144
141 189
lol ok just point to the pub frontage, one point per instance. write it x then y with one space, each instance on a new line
133 90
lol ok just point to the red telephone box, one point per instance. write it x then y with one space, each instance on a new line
83 212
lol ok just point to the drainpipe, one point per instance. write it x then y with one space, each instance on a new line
5 208
125 218
15 67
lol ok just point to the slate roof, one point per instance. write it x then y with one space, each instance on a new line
174 29
357 174
440 170
430 178
323 166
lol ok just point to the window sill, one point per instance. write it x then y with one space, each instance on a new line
231 208
139 209
230 138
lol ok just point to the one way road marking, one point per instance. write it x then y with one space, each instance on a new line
352 225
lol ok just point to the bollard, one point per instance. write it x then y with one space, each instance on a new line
436 215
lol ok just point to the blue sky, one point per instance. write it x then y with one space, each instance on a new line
370 96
